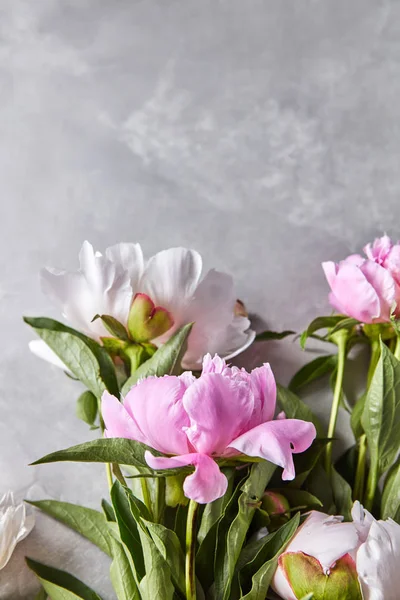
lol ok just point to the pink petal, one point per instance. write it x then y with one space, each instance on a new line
213 365
277 441
219 408
117 421
330 270
379 250
392 262
206 484
353 295
263 385
383 284
156 405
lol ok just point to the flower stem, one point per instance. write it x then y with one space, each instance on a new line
371 487
109 475
146 494
159 502
397 349
360 472
191 551
340 338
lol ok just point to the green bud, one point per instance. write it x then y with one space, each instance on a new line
305 574
147 321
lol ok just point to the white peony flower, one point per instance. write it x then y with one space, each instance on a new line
360 559
172 279
15 525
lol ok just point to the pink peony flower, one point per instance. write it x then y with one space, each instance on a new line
367 289
329 554
225 412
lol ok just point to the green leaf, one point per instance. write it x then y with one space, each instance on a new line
267 336
60 585
108 511
320 323
232 535
319 484
157 581
122 573
320 366
295 408
84 357
356 416
164 362
342 495
391 494
381 416
258 567
86 521
347 323
41 595
86 407
111 450
113 326
169 547
129 524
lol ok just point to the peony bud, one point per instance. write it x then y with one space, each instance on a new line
147 321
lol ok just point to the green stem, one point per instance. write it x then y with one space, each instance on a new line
159 501
146 494
190 574
375 356
360 472
397 349
340 338
109 475
371 487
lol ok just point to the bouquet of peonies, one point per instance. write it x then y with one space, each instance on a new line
215 492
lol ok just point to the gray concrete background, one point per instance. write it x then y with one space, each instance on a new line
265 134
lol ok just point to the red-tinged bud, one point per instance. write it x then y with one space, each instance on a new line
147 321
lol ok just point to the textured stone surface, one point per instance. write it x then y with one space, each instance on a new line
263 133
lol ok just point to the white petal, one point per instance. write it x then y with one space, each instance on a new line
15 525
129 257
42 350
216 329
99 287
378 562
170 278
324 537
362 519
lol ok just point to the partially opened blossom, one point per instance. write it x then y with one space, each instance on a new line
330 556
367 289
198 422
172 284
15 525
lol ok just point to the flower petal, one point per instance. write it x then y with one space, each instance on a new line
42 350
216 329
15 525
379 250
353 295
218 408
263 385
383 283
119 423
326 538
99 287
156 405
171 277
378 562
128 257
206 484
276 441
